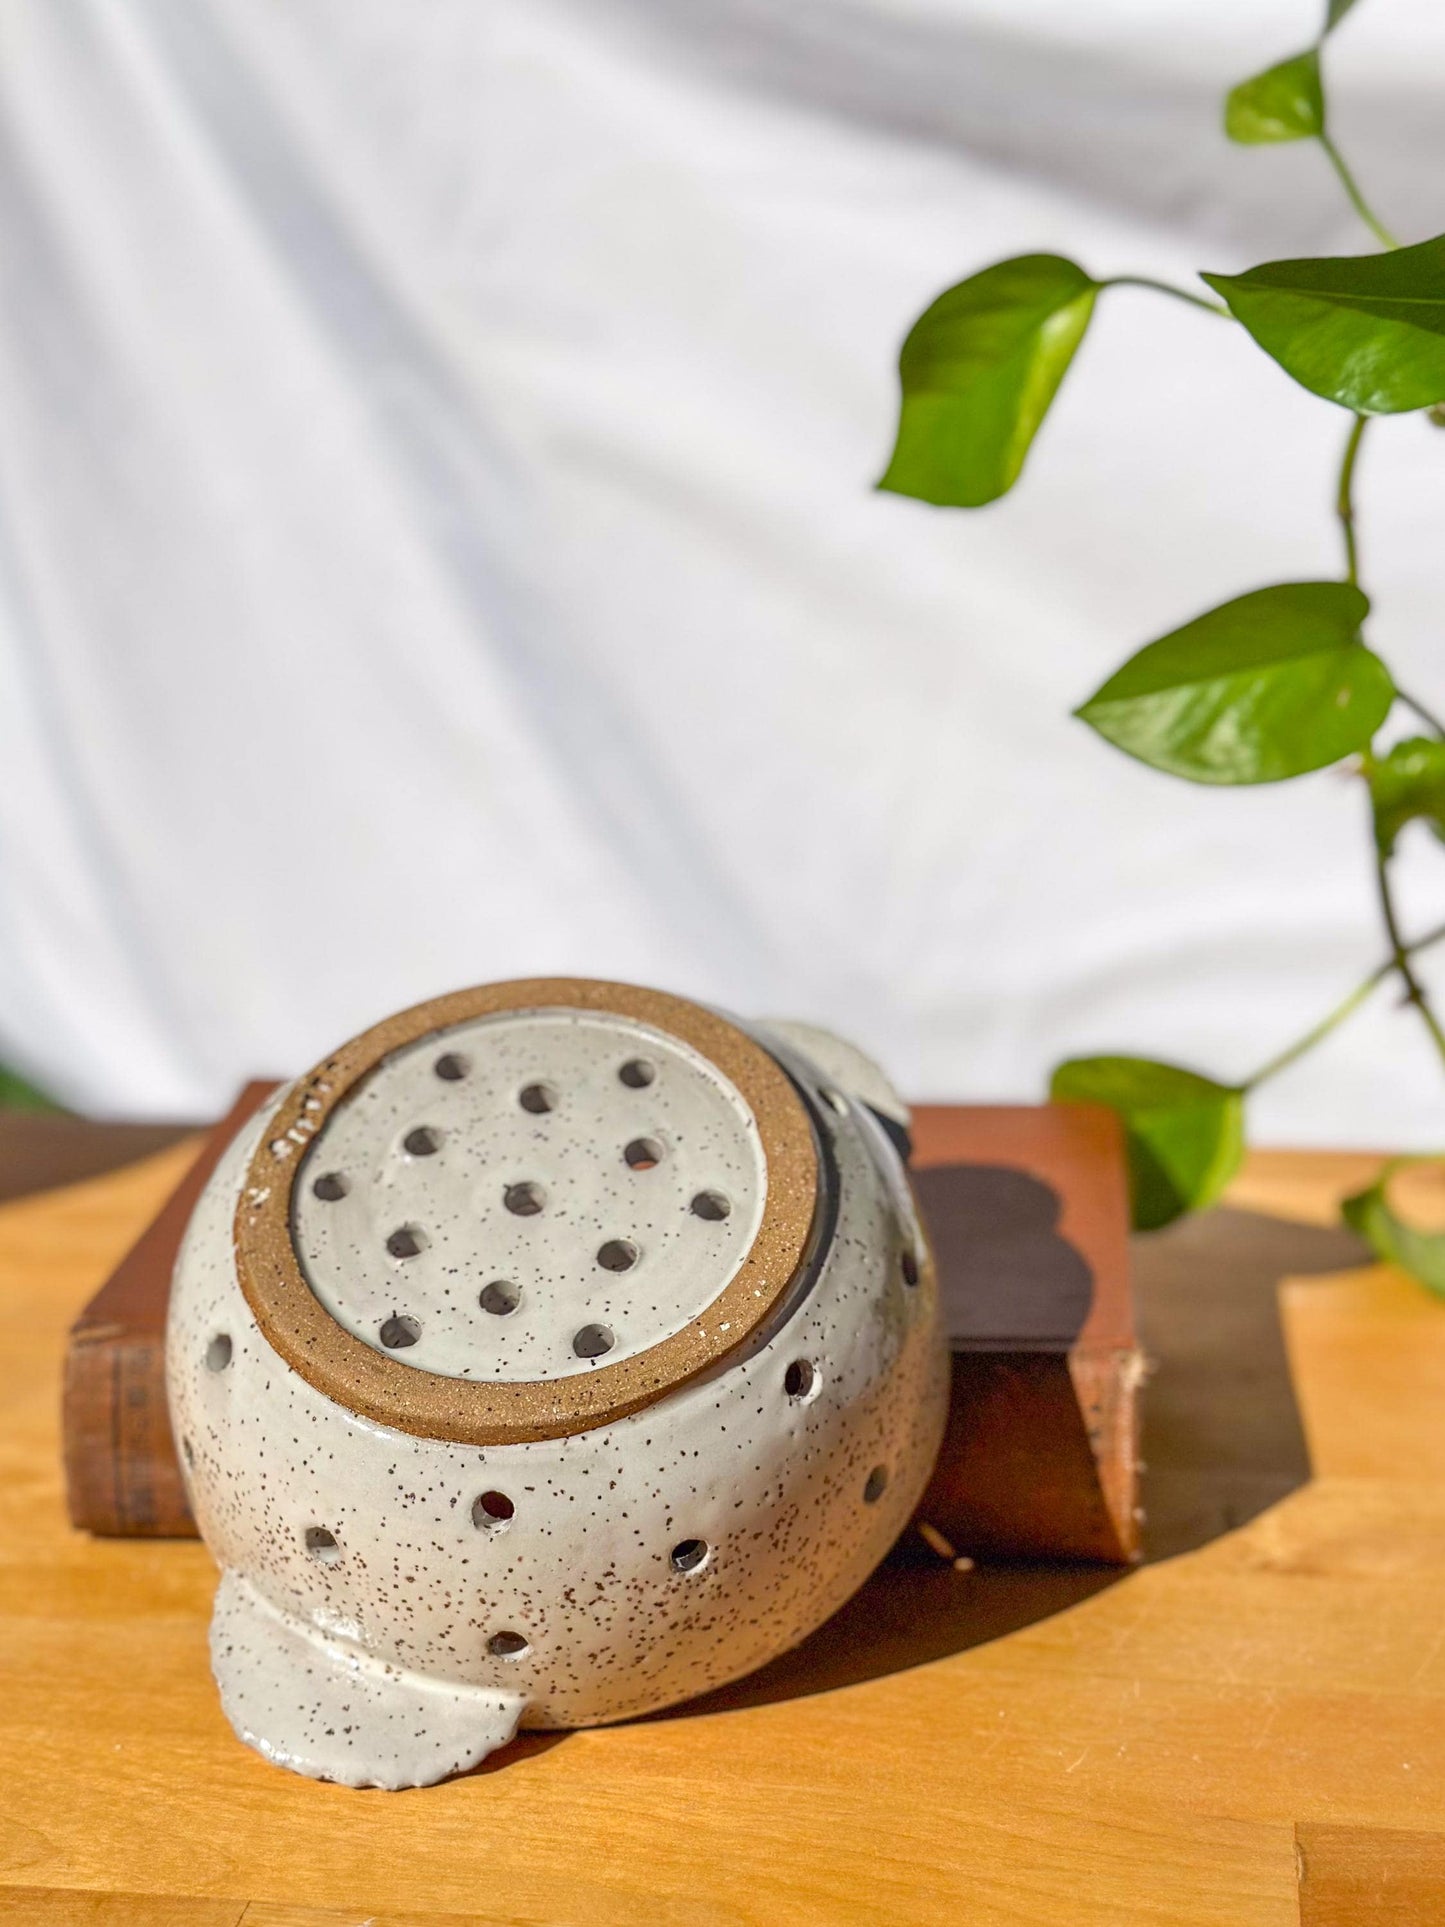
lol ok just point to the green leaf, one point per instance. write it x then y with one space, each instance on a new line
1364 330
978 371
1284 103
1407 783
1268 686
1335 13
1184 1132
1421 1253
16 1094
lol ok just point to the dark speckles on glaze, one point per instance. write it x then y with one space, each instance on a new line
641 1562
608 1201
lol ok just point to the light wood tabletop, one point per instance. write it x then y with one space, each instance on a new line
1251 1731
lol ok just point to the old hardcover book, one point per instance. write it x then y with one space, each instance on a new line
1028 1210
121 1474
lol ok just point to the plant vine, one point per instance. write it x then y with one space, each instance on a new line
1268 686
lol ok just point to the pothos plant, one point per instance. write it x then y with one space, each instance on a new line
1269 685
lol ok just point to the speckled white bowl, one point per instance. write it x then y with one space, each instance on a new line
552 1353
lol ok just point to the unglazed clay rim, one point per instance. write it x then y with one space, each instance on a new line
429 1405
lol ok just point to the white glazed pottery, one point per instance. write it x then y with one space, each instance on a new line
553 1352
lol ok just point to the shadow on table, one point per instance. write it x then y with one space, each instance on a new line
908 1613
1222 1441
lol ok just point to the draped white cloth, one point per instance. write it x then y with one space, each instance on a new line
437 539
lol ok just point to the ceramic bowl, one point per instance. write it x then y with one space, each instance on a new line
551 1353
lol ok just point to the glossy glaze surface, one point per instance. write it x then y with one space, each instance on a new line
393 1605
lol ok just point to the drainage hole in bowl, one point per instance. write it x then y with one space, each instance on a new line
491 1510
422 1142
218 1352
501 1297
711 1205
689 1554
643 1153
875 1485
537 1098
322 1546
637 1073
399 1331
451 1067
618 1254
330 1187
908 1264
593 1341
524 1200
799 1379
406 1241
508 1645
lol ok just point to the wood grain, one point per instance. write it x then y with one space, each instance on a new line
258 1914
65 1907
68 1907
1371 1877
1144 1756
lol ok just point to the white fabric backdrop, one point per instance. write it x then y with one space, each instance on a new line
436 540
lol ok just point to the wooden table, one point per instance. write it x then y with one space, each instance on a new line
1251 1731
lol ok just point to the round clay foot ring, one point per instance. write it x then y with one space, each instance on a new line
443 1041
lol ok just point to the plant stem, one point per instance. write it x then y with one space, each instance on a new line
1345 510
1345 499
1399 962
1431 722
1400 956
1318 1032
1165 287
1357 200
1346 1007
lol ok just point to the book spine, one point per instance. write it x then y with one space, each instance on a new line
122 1474
1026 1471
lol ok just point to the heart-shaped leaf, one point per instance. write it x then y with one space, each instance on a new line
1366 331
1268 686
978 371
1184 1132
1407 783
1421 1253
1284 103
